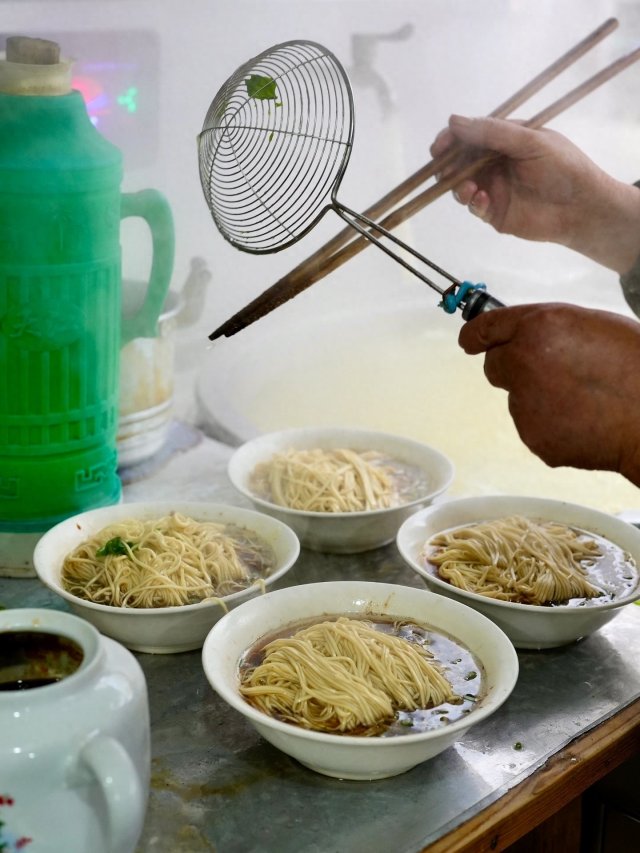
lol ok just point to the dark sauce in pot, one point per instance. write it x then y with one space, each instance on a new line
27 683
32 659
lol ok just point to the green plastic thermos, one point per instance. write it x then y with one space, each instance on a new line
60 295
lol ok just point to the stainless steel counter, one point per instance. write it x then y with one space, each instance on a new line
216 785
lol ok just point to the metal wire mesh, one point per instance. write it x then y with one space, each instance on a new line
274 145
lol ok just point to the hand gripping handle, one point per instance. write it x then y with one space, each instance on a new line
478 302
472 298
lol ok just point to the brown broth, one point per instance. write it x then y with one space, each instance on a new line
254 552
460 668
614 573
410 482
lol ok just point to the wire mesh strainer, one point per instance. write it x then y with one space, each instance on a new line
274 147
276 141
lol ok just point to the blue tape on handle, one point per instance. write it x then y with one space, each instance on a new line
451 301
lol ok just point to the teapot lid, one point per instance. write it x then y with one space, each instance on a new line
33 66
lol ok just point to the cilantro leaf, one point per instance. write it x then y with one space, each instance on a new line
261 88
115 546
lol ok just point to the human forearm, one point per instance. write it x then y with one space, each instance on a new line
544 188
607 228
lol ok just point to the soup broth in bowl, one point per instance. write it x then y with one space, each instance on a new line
475 658
312 705
342 490
156 576
573 576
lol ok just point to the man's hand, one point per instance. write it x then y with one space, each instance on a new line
573 379
543 187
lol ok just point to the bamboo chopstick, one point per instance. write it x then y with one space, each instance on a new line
420 201
334 253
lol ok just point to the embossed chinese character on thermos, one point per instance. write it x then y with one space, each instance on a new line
60 277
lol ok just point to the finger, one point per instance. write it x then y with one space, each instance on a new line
535 432
496 367
443 140
490 329
465 192
507 137
479 204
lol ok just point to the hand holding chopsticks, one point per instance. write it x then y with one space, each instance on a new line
335 252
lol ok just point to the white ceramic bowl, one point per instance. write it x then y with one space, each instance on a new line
341 532
162 629
528 626
345 756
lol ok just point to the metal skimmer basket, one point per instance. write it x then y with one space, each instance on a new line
275 144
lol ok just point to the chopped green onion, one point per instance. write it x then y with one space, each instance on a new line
115 546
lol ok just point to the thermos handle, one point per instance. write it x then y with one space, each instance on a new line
112 767
153 207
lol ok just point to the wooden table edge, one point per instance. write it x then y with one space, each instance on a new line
562 778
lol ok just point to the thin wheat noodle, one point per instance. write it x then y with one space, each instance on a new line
344 675
335 480
516 559
165 562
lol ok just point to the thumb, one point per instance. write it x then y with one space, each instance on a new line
506 137
490 329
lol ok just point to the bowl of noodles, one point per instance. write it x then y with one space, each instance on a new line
359 680
157 576
343 490
546 571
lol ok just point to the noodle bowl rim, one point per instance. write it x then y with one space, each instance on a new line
428 571
355 439
358 513
632 596
214 512
484 709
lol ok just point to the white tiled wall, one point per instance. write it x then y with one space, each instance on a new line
367 344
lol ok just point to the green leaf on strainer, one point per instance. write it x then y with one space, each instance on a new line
262 88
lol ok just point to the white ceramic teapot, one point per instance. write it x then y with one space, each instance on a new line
74 737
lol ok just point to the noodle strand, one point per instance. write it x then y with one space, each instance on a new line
342 676
516 559
170 561
339 480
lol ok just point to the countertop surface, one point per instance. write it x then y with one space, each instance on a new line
217 786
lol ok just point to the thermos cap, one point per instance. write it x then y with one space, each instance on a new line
34 67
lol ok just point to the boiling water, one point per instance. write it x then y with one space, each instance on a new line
403 373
